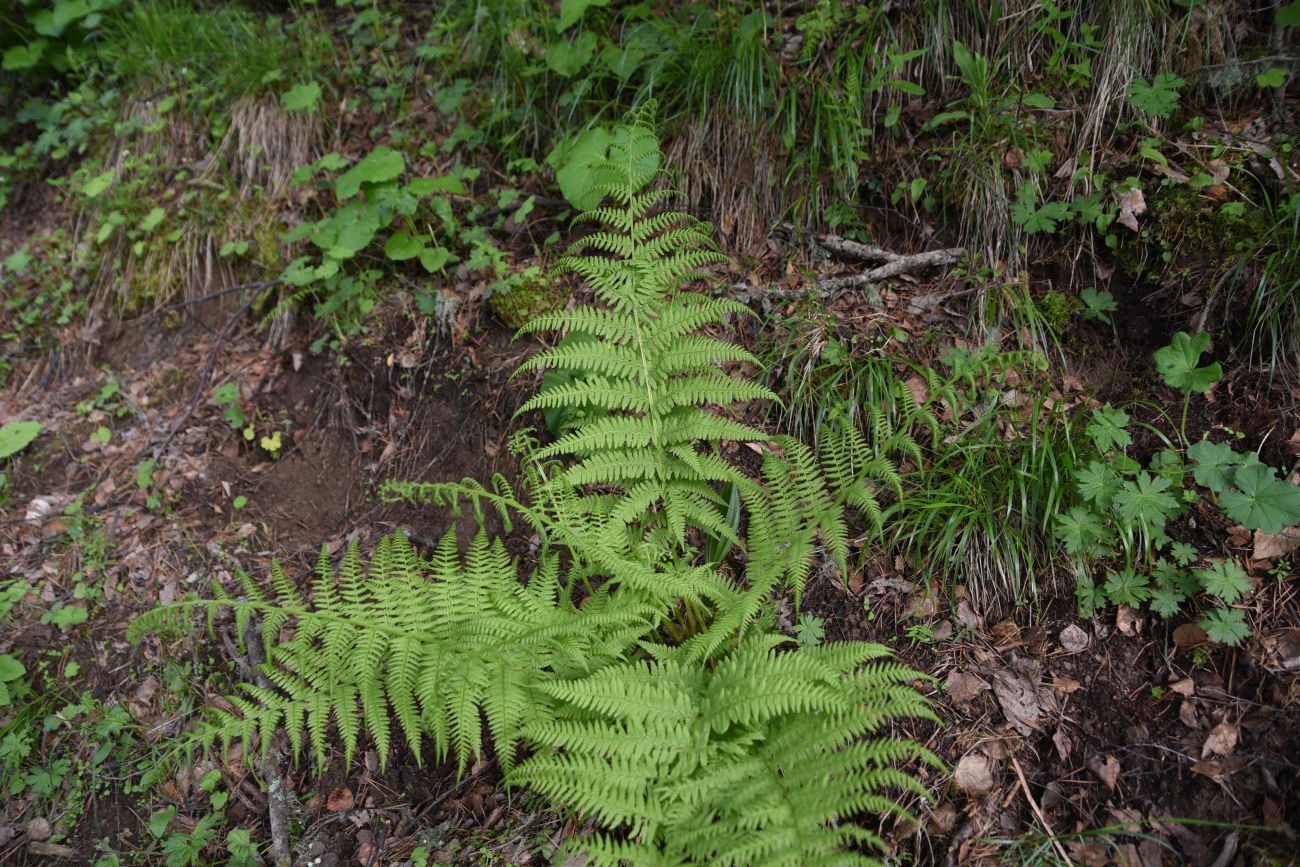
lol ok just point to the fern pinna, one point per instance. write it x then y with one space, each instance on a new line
665 705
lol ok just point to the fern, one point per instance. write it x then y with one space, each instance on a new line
648 369
663 705
433 643
752 762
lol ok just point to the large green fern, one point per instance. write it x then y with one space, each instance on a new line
664 704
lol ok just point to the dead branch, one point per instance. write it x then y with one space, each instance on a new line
894 264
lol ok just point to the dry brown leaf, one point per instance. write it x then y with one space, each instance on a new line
1106 767
1281 649
1219 769
1189 635
941 631
340 799
1063 744
974 774
964 688
1185 687
1271 546
1017 694
1132 205
1221 741
1128 621
1187 715
967 617
1073 639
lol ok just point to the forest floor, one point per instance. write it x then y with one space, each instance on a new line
1121 735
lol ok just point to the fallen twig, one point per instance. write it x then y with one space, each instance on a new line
1033 805
277 797
833 287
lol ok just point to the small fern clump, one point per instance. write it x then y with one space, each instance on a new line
664 705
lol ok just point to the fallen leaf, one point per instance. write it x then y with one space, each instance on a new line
1005 634
39 828
1219 769
941 631
1240 536
1281 649
1065 685
1132 205
1106 767
1221 741
52 850
339 799
1073 639
1127 621
974 774
967 617
1063 744
1187 715
1184 687
964 688
1018 697
1189 635
1271 546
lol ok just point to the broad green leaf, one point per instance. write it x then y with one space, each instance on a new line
10 668
23 56
434 258
426 186
1216 464
1224 579
568 58
1083 533
402 246
1108 428
1097 303
152 219
573 10
1098 483
1226 626
1262 501
97 184
17 435
1159 97
1289 15
159 822
1166 601
302 97
17 261
1177 362
380 165
1126 587
1274 77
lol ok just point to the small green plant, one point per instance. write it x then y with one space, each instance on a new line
1097 304
1158 97
1125 511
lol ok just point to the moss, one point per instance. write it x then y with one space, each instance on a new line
1055 309
525 295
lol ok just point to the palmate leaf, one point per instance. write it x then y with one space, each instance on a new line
1146 500
1225 579
1262 501
1215 465
1083 533
1108 428
1177 362
1097 483
1226 626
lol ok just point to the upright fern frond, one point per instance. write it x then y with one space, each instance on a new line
646 366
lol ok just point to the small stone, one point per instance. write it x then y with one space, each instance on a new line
1073 639
39 829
